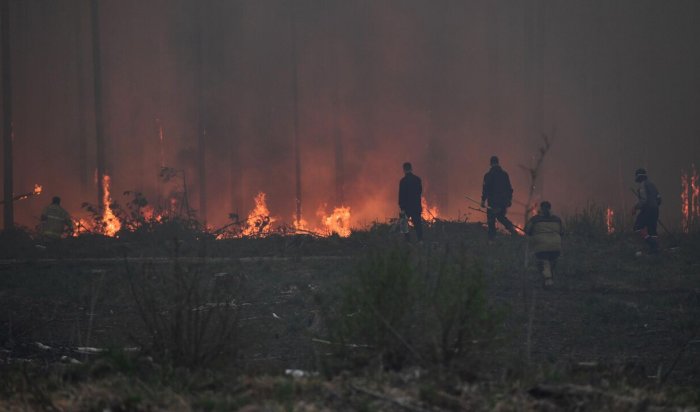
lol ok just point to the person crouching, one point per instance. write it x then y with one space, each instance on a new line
545 231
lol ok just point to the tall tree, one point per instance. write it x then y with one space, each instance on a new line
83 168
99 119
333 46
295 98
201 125
8 215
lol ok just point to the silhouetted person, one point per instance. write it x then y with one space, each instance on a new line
55 221
648 204
545 231
498 192
410 191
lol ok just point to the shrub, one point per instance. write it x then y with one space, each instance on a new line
190 319
405 308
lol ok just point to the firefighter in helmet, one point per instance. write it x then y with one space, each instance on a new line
545 231
648 202
55 221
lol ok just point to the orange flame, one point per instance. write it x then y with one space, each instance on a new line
81 226
38 189
301 224
111 223
610 220
149 214
429 214
690 200
337 222
259 222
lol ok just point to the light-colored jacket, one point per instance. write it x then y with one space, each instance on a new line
54 220
545 233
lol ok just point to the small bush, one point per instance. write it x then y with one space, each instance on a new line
405 308
191 319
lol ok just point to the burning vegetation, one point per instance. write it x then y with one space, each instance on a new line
610 220
690 200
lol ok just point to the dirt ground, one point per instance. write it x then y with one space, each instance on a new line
634 317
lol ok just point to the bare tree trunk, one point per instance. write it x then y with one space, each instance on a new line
8 215
334 55
201 127
295 97
440 46
99 119
83 168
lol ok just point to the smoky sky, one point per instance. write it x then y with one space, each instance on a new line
443 84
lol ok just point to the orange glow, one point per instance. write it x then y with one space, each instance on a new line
37 189
259 222
111 223
690 200
302 224
337 222
429 214
149 214
610 220
81 227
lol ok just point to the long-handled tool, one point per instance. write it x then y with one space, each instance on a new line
485 212
659 220
674 240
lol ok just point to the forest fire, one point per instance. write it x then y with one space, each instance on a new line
337 222
429 214
690 200
610 220
259 221
110 222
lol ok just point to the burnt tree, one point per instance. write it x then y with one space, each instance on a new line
81 129
295 98
99 115
201 122
8 215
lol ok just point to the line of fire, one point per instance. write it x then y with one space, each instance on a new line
297 121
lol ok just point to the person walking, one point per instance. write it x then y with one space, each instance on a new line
497 192
410 192
648 202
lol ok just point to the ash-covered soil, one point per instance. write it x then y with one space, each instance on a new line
610 315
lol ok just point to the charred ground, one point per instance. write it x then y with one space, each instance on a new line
616 331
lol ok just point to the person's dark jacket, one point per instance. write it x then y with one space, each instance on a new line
497 189
648 195
410 191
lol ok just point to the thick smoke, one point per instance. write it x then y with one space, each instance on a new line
444 84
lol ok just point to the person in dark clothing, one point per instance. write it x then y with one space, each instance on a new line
648 204
498 192
410 191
